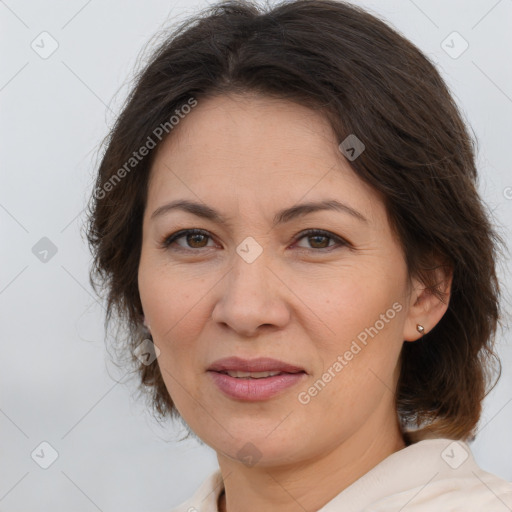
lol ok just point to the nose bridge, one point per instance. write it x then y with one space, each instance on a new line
249 273
251 294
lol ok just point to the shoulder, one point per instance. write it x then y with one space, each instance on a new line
453 483
482 492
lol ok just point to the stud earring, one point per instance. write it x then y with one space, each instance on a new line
420 328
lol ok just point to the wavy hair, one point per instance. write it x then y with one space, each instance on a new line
368 80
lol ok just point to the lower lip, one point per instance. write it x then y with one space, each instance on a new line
255 389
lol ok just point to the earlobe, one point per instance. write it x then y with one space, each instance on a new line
427 307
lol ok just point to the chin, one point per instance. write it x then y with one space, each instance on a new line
261 446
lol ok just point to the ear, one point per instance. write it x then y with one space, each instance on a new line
425 307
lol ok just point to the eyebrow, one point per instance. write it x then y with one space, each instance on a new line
283 216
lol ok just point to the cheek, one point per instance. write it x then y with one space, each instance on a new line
168 297
360 338
354 378
172 312
177 302
347 301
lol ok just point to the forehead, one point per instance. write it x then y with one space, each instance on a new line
249 131
256 148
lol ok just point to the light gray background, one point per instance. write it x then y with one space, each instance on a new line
57 384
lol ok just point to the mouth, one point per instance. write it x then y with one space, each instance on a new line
255 375
254 380
253 368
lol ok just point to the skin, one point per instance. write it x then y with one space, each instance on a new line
303 300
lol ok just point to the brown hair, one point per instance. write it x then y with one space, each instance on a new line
367 80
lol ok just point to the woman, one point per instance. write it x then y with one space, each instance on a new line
286 219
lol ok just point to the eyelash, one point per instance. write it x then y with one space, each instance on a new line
169 240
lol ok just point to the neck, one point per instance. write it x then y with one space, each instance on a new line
306 485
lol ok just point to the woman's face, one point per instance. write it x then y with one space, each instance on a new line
251 284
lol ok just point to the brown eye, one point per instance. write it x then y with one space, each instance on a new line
197 240
187 239
319 239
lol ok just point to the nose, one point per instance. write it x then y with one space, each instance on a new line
251 298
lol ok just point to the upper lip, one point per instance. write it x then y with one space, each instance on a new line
260 364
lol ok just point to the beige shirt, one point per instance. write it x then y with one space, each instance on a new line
433 475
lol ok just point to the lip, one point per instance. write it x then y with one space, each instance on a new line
251 390
260 364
